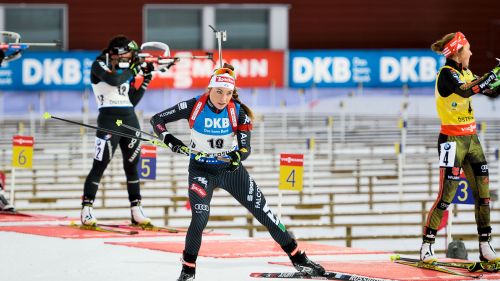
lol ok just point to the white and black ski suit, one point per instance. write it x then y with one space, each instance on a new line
116 97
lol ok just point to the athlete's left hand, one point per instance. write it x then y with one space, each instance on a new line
493 90
235 160
495 85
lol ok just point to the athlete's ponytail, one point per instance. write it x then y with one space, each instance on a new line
247 109
236 96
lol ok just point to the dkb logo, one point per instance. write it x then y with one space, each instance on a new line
216 123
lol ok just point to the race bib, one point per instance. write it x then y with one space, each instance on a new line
111 96
99 148
447 155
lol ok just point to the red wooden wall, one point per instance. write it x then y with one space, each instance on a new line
320 24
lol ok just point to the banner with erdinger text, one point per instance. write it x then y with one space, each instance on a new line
256 68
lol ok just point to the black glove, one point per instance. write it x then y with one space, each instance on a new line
175 144
491 93
147 68
235 160
493 89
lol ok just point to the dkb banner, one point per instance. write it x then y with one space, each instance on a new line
371 68
54 71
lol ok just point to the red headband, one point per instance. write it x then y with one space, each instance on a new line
455 44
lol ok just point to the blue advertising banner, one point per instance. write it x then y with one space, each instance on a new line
48 70
372 68
320 68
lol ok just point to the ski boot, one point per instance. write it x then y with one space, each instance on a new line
303 264
486 251
137 216
4 203
426 253
86 215
188 268
300 261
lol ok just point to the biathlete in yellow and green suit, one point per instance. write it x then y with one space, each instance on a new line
458 145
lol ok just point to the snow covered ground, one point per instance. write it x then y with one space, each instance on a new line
30 257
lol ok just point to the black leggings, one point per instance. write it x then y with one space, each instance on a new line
106 145
203 180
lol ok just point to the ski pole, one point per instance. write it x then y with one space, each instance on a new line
156 142
119 123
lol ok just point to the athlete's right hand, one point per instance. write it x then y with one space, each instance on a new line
147 68
175 144
181 149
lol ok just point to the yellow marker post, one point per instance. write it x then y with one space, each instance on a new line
329 121
291 172
291 175
22 152
22 157
397 148
400 123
